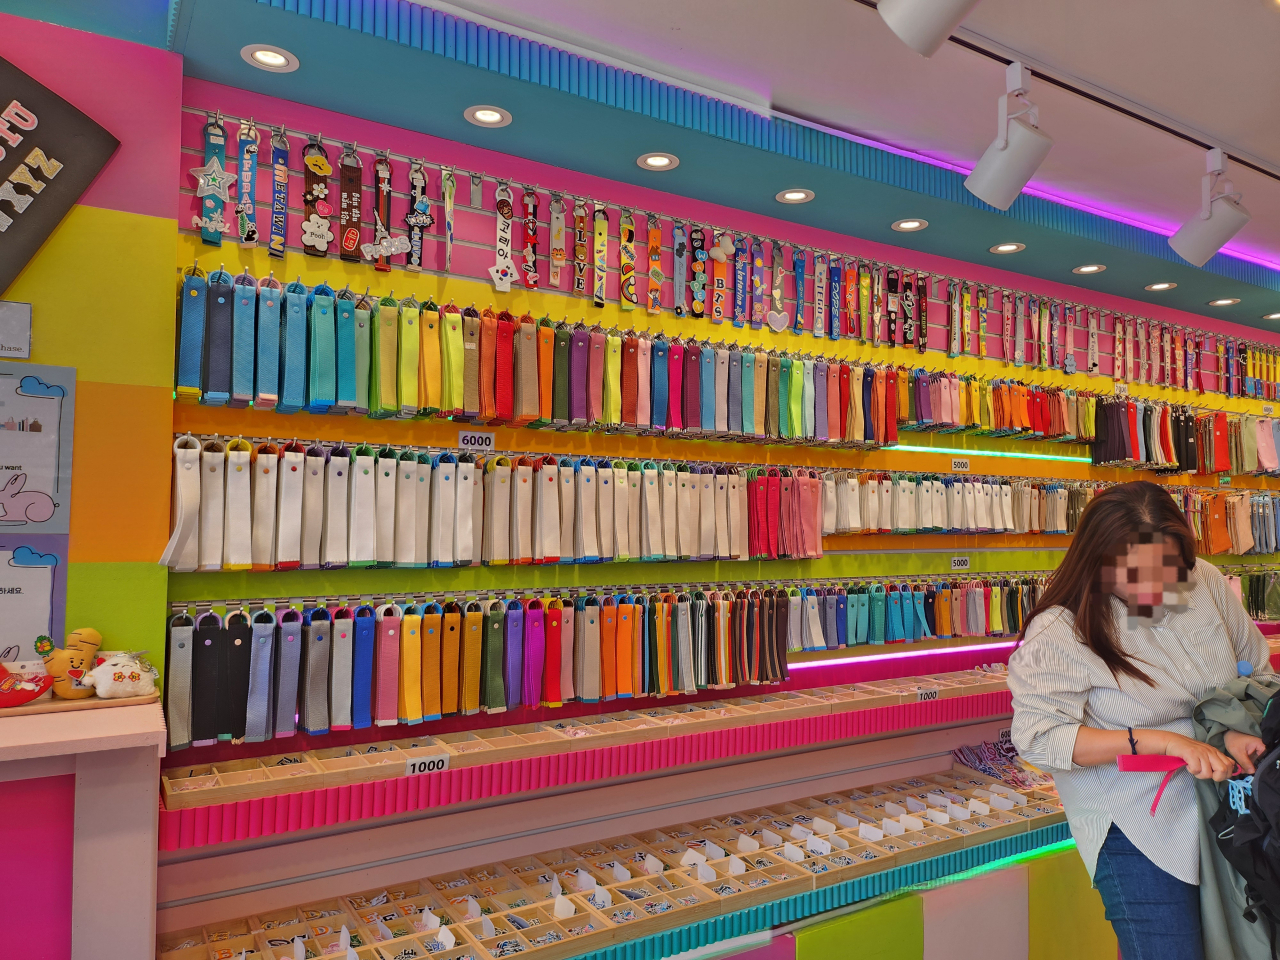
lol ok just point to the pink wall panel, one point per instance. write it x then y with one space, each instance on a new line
983 918
134 91
37 827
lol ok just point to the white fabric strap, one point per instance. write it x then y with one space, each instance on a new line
444 503
313 476
385 505
237 550
406 533
333 541
497 512
623 548
213 491
886 494
362 509
687 501
1093 342
830 506
522 513
650 516
636 492
477 512
869 495
464 540
567 497
721 495
558 248
422 515
266 472
737 518
855 504
1006 505
722 391
706 516
606 493
586 518
670 547
288 547
182 553
546 522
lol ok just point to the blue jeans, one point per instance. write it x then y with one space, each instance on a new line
1155 916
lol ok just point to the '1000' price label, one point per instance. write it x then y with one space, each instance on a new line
426 765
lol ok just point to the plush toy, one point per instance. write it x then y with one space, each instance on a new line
70 665
123 675
17 688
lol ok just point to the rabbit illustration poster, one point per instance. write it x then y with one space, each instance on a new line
33 592
37 411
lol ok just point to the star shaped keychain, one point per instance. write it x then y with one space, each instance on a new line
213 180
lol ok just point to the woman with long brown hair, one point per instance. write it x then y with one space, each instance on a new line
1131 632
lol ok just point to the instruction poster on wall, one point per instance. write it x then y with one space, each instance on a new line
37 415
33 592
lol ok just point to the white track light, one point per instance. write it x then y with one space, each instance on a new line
1019 148
1221 217
924 25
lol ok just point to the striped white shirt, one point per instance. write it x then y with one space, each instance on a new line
1059 684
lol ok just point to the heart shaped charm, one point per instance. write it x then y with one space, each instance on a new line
777 320
75 674
323 208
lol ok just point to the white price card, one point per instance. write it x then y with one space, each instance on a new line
476 441
432 764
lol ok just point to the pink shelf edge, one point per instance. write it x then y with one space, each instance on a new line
290 812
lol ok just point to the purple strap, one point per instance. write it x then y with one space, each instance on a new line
578 354
513 642
535 647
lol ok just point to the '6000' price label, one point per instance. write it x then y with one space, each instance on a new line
476 442
426 765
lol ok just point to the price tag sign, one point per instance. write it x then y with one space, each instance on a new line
475 441
1268 409
959 563
959 464
433 764
1122 389
927 693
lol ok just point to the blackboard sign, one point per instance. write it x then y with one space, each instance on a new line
49 154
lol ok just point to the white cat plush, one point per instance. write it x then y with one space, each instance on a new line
123 675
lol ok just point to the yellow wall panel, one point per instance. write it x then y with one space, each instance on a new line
1066 914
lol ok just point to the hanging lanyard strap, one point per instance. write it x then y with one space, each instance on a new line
655 266
953 320
529 250
213 182
1093 343
195 297
558 247
316 208
581 252
757 284
217 341
601 255
982 322
892 281
909 305
699 280
503 270
680 268
775 312
279 193
626 261
741 281
350 202
820 280
247 199
448 189
836 278
799 266
419 217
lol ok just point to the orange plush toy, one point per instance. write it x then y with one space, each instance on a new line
72 663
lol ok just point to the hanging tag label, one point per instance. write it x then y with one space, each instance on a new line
475 441
426 765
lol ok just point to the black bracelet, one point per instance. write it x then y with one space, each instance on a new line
1133 744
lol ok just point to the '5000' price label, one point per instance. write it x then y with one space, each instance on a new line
426 765
476 442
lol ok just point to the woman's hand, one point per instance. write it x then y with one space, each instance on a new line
1203 762
1245 749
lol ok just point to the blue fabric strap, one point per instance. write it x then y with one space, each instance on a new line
513 664
707 386
834 274
321 351
345 310
217 341
800 260
195 292
261 657
748 393
364 640
842 619
293 354
658 384
267 388
244 308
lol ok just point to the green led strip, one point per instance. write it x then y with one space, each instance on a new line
993 453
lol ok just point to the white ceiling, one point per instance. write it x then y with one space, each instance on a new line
1204 67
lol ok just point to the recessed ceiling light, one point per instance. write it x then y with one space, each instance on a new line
484 115
1163 285
1224 301
794 195
909 226
1090 268
266 57
1008 247
1271 316
658 161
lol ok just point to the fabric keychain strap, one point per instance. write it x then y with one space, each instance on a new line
488 358
345 360
450 658
581 250
503 270
237 536
409 698
177 701
216 370
757 285
675 386
558 245
349 204
600 224
408 336
820 281
181 554
799 266
579 358
702 287
626 261
419 217
654 295
513 664
314 708
658 364
493 694
321 350
363 643
386 666
287 671
680 266
529 249
213 181
742 281
720 307
341 649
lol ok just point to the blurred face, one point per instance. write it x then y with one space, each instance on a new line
1148 576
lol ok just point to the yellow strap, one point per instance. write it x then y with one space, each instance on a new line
451 651
472 647
410 704
384 362
451 361
431 625
407 383
429 360
663 644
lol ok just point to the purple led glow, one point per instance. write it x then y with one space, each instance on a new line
904 654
